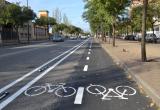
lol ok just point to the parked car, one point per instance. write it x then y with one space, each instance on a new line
84 37
151 38
138 37
57 38
73 38
129 37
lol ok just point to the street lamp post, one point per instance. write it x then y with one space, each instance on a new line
28 26
27 3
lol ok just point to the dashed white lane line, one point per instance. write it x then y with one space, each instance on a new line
85 68
89 53
79 96
87 58
91 44
89 49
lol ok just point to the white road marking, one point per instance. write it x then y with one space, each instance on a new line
87 58
85 68
79 96
89 49
21 90
30 73
91 44
89 53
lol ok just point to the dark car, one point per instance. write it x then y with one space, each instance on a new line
129 37
151 38
58 38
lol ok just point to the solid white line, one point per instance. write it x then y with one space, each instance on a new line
21 90
30 73
87 58
79 96
85 68
89 53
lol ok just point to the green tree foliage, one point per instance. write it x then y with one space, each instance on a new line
15 16
67 29
153 15
102 14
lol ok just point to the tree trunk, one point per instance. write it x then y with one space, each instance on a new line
17 34
127 29
105 40
97 34
153 27
113 26
110 33
28 33
143 44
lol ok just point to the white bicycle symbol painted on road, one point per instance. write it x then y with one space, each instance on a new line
60 90
120 91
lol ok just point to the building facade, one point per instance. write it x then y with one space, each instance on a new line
35 32
29 31
43 13
9 34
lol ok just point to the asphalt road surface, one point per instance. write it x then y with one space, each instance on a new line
70 75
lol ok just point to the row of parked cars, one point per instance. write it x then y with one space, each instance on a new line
150 37
61 38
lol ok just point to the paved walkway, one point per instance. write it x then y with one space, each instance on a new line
127 54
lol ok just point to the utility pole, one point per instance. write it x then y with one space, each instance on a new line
28 26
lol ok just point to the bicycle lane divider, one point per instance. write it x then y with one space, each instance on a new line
21 90
85 68
79 95
87 58
30 73
91 44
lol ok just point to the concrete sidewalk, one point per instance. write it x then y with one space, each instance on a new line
127 54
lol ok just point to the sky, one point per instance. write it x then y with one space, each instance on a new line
72 8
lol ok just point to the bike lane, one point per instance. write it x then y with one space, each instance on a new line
100 71
106 86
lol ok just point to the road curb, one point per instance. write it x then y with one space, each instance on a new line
149 91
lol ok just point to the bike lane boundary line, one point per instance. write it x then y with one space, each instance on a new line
30 73
79 96
21 90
